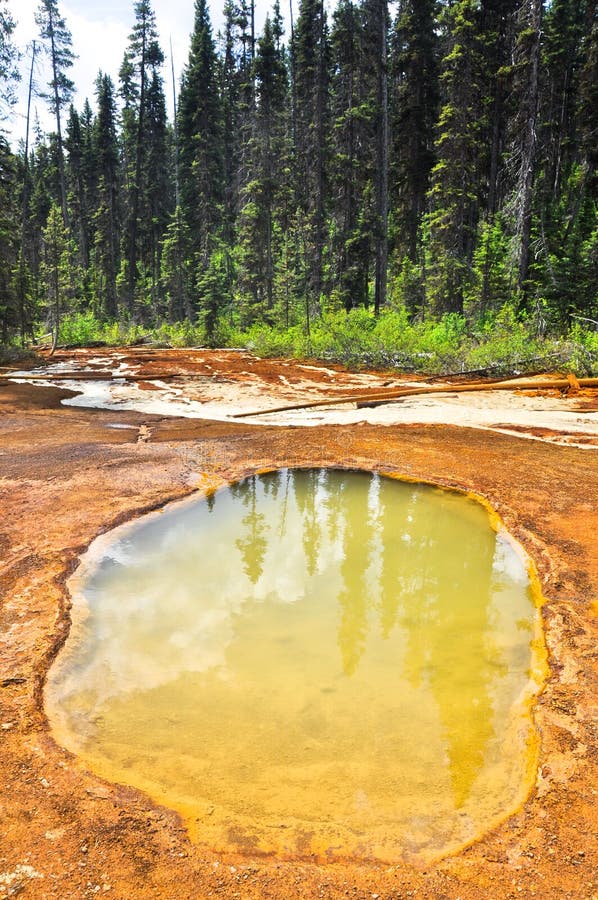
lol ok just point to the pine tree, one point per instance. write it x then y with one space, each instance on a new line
376 54
414 97
177 269
497 24
157 200
201 151
106 219
525 133
269 152
565 26
44 191
311 55
56 269
78 184
229 99
9 73
9 243
350 165
139 71
57 41
453 195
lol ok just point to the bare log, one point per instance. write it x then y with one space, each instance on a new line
378 398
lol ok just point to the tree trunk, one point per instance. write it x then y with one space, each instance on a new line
25 202
65 214
382 165
528 148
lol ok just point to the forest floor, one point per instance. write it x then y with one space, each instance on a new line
70 472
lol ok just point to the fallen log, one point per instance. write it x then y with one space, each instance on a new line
377 398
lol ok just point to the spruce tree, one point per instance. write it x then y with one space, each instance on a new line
269 153
453 195
10 319
56 269
77 185
157 199
201 150
414 97
376 55
311 54
350 163
229 99
9 73
141 64
106 219
57 41
524 131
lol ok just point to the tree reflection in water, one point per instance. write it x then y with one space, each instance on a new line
335 650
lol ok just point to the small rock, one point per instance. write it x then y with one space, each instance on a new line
54 835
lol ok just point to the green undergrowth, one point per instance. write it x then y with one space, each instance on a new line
16 356
502 344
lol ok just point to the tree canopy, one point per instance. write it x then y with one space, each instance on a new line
431 157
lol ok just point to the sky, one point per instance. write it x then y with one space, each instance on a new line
100 31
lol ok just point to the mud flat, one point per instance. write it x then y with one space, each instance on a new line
70 473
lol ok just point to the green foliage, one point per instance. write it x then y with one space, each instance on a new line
81 329
260 218
502 343
9 56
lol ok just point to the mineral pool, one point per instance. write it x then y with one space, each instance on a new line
310 663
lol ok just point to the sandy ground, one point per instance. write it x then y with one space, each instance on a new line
69 473
221 386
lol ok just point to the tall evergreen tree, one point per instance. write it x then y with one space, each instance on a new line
454 207
201 150
414 96
564 231
9 73
157 199
269 153
525 132
79 169
376 53
57 41
350 166
564 29
9 242
106 215
56 269
142 61
311 55
229 100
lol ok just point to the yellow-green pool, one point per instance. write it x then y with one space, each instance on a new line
310 663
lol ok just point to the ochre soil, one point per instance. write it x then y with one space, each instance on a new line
68 475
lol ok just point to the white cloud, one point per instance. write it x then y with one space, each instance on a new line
100 35
100 32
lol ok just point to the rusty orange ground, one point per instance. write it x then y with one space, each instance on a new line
66 476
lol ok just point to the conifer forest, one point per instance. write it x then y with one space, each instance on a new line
345 170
